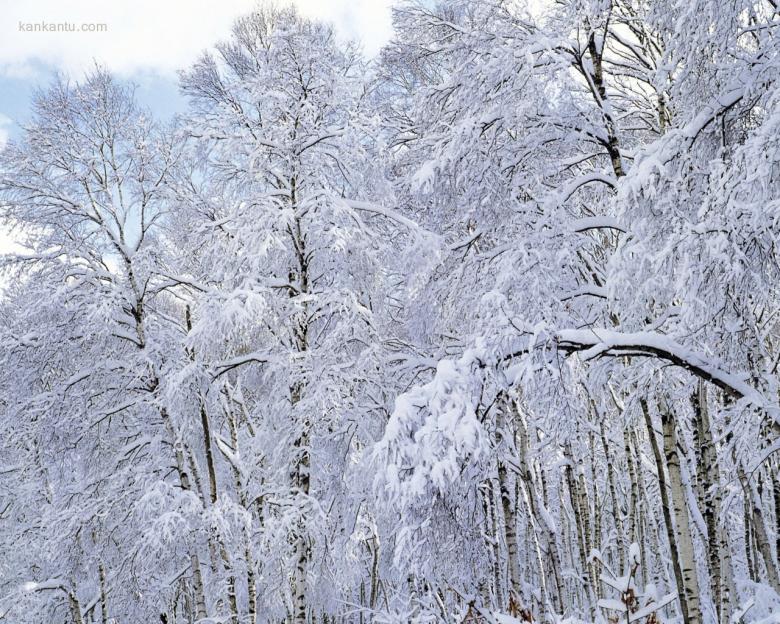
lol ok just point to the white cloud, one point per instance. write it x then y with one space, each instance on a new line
366 20
5 122
157 36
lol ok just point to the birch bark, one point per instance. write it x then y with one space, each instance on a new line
666 510
680 509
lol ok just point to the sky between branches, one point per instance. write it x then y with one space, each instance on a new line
146 42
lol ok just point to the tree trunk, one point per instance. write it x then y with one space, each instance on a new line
527 488
682 521
197 585
493 520
633 506
749 540
374 596
509 508
583 527
184 480
75 607
598 89
729 595
301 554
103 596
616 511
251 589
776 500
708 492
666 510
302 468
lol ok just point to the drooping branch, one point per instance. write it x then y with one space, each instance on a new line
598 342
226 366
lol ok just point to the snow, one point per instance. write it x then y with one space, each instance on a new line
633 554
390 341
596 223
600 341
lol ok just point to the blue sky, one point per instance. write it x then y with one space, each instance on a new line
145 41
157 91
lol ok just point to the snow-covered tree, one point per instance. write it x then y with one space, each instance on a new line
481 331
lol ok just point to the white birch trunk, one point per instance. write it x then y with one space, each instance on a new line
682 520
666 510
509 508
707 490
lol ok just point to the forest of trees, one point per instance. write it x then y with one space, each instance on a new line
483 330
